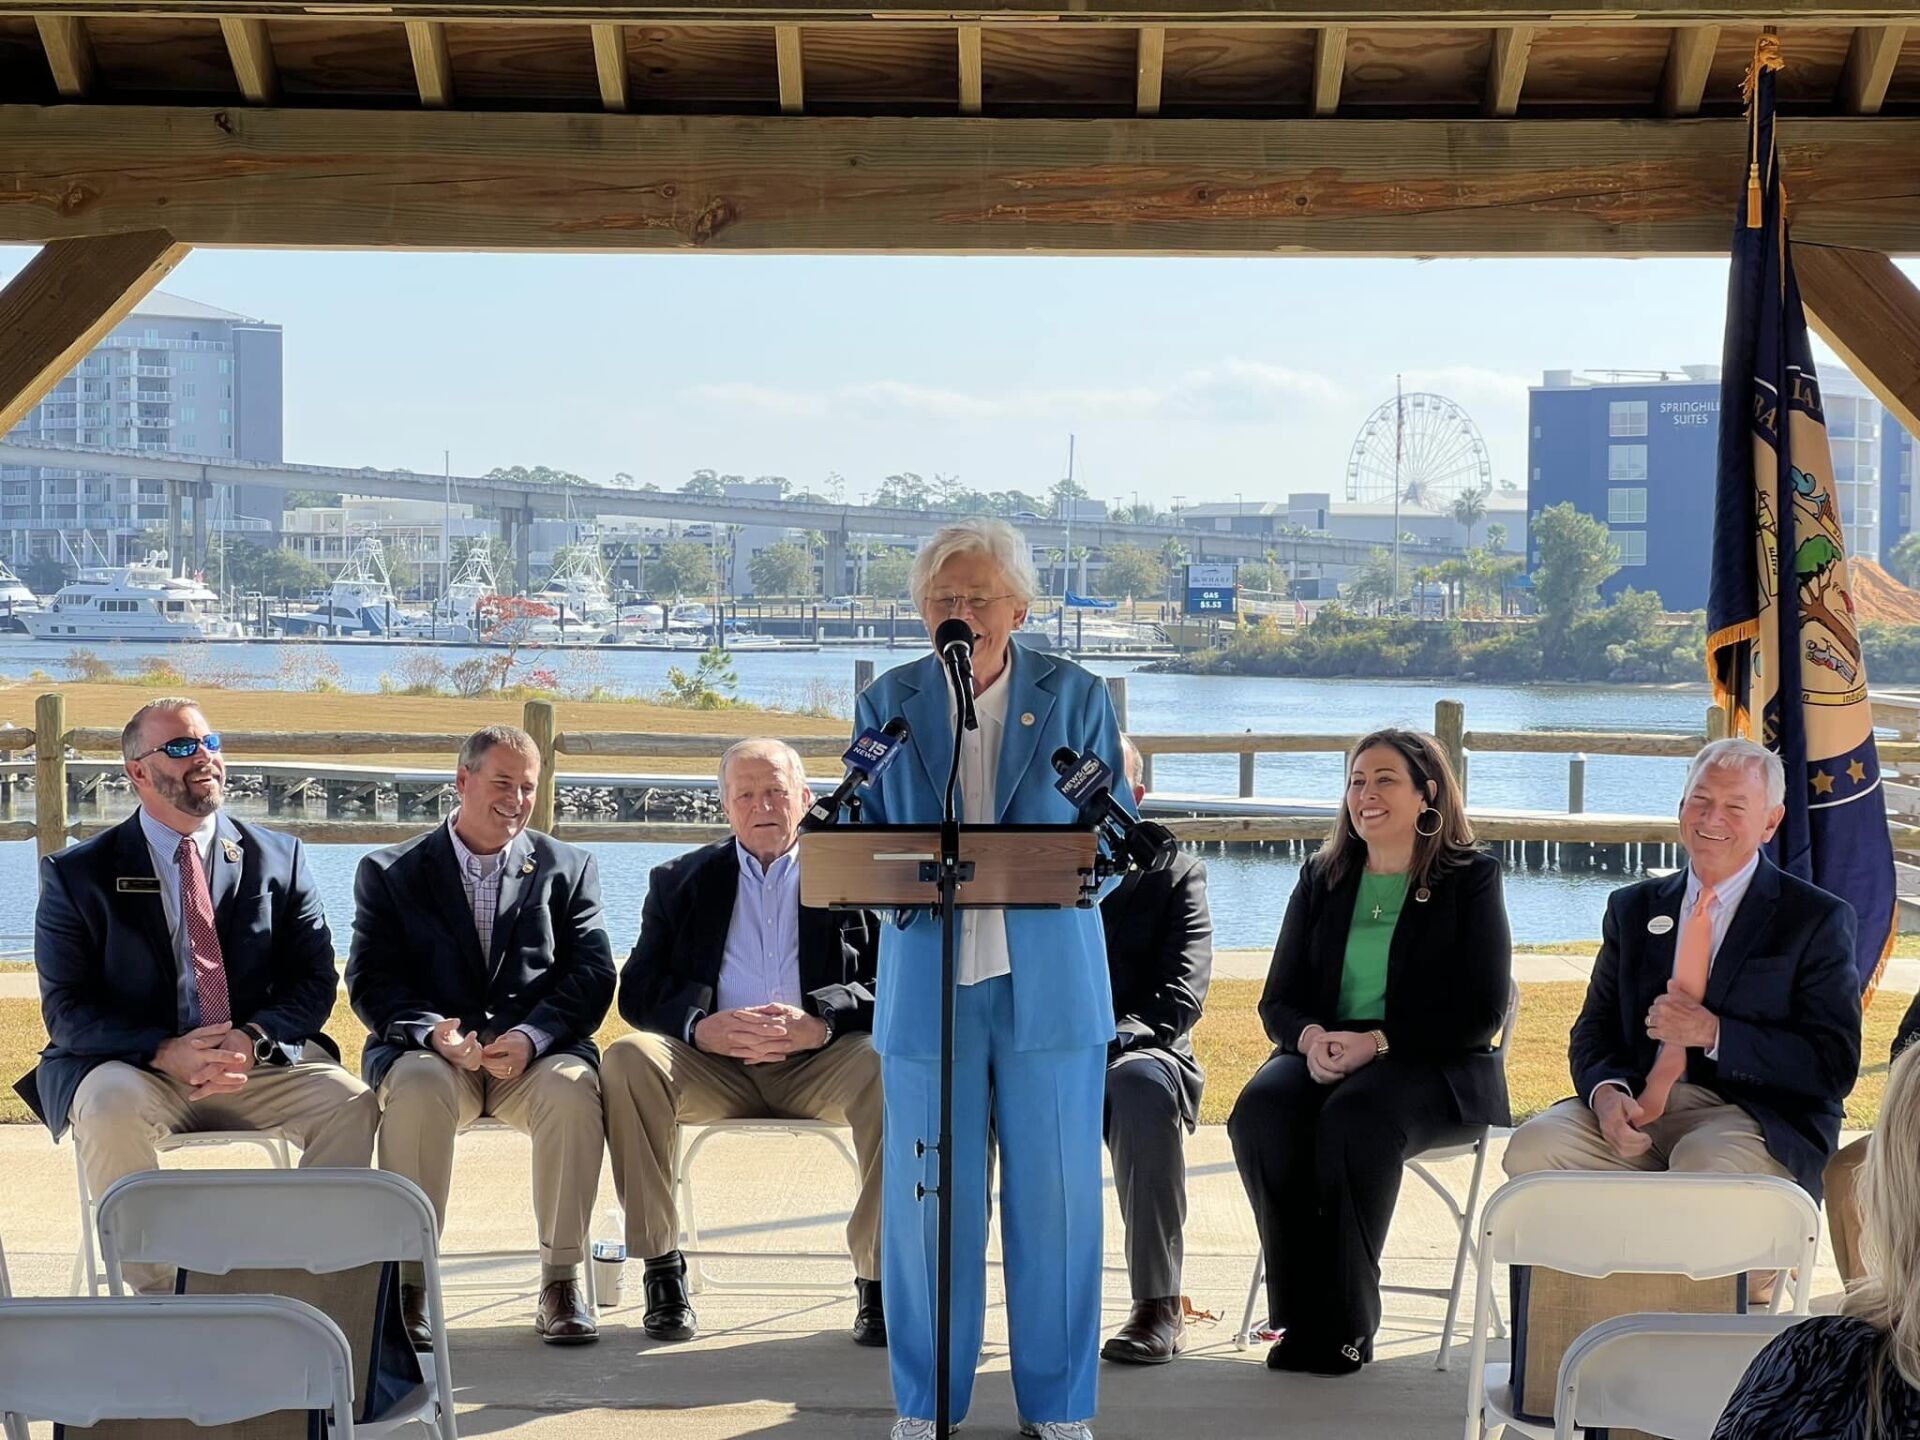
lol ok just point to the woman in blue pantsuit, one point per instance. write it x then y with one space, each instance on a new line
1032 1016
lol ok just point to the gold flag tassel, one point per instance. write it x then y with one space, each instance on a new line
1766 56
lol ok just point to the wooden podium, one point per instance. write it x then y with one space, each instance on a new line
1002 867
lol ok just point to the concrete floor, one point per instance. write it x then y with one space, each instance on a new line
774 1364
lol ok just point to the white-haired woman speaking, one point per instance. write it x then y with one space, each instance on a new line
1032 1016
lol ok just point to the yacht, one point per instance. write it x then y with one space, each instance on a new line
16 600
579 586
361 601
456 614
133 602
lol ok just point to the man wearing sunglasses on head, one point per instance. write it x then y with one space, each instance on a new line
185 971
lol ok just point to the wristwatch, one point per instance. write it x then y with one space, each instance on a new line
1379 1042
265 1052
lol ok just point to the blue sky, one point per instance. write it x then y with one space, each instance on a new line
1197 378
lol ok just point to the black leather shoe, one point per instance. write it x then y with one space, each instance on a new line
1154 1333
669 1314
869 1320
413 1317
1305 1355
563 1316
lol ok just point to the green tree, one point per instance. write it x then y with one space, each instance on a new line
905 491
1064 490
287 572
685 567
1576 558
44 574
709 687
1131 570
1262 575
538 475
1496 537
704 483
782 569
1470 509
888 573
1904 561
310 500
780 483
1373 583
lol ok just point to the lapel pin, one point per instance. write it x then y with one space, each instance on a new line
527 868
1422 895
1026 717
1659 924
231 849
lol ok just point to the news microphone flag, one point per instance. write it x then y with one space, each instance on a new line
1783 645
1082 777
871 752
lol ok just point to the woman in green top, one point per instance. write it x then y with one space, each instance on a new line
1388 985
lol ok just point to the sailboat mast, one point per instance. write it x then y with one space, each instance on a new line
1399 433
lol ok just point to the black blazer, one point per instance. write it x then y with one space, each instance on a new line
1449 970
108 974
1784 986
674 970
1160 961
416 956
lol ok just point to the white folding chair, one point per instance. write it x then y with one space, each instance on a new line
1668 1375
318 1220
10 1424
1595 1225
687 1149
89 1276
209 1359
1462 1219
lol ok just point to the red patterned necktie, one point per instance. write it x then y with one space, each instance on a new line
196 906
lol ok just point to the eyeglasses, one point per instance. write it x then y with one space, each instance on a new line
184 747
953 604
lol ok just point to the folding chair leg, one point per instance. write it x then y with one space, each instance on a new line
1471 1208
1244 1339
689 1220
86 1261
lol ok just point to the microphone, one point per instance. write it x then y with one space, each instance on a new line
1087 783
954 642
871 752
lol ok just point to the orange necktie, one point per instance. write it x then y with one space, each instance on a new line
1691 959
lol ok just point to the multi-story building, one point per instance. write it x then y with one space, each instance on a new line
409 531
174 377
1639 451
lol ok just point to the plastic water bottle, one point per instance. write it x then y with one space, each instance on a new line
610 1259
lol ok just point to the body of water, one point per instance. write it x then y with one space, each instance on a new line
1249 887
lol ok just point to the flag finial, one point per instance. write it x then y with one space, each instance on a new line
1766 56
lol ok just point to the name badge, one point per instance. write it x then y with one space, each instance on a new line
136 885
1659 924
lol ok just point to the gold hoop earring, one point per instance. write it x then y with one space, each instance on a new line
1439 823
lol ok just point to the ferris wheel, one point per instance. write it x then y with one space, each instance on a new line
1429 443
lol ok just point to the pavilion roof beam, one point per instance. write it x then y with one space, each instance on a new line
1870 63
791 65
971 74
1150 65
1329 68
251 50
63 304
610 62
432 67
1683 85
1865 307
1507 72
69 54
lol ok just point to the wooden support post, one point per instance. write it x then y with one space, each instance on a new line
50 772
1450 729
1247 757
69 54
1689 59
1507 72
432 68
1150 64
1329 68
63 304
1146 773
970 72
1870 61
1576 784
862 677
1716 723
251 50
791 67
541 723
1862 305
1117 692
610 62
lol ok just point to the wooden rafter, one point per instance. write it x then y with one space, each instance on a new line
485 180
432 68
1150 65
792 69
1689 59
1869 312
610 63
1870 62
970 70
1329 68
63 304
1507 72
69 54
251 50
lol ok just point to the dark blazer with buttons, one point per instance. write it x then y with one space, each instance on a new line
107 964
1783 985
416 955
1449 970
674 971
1160 961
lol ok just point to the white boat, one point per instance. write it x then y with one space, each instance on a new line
455 615
16 600
133 602
361 601
578 584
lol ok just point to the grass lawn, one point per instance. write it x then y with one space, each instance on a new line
1905 947
1229 1042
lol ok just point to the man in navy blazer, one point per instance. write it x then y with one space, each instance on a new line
1773 1046
482 969
185 973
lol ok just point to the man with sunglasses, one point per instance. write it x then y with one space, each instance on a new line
185 971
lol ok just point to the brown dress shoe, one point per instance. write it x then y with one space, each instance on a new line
564 1317
413 1317
1154 1333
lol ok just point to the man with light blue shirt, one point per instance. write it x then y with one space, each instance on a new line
747 1005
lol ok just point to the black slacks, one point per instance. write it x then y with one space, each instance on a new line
1322 1166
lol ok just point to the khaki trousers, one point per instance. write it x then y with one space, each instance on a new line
1699 1132
655 1084
425 1102
1843 1208
121 1110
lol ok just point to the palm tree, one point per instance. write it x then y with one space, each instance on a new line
1496 537
1471 508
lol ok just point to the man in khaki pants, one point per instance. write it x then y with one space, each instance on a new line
185 971
482 969
749 1005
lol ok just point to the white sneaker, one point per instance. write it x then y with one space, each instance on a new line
1057 1430
906 1428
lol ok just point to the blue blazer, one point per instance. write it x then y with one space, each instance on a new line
1061 996
108 974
